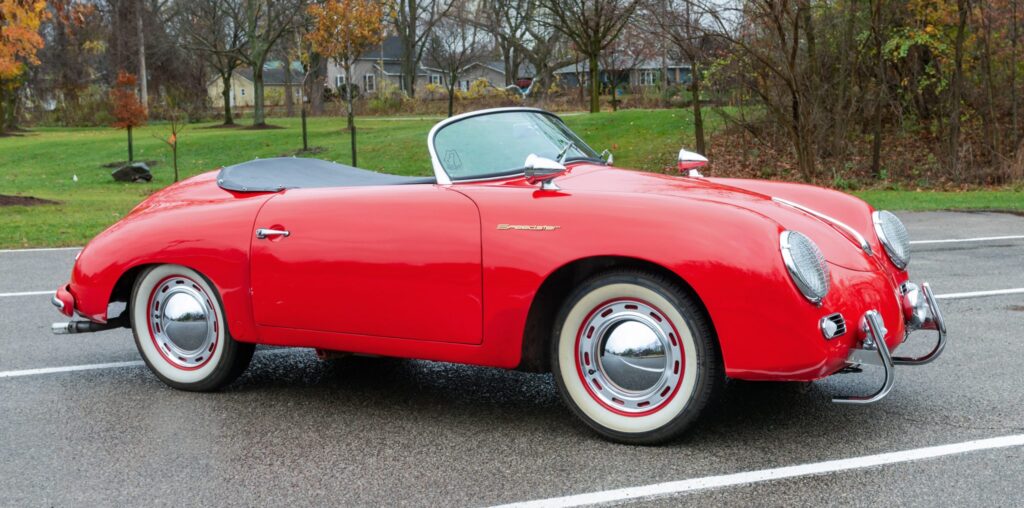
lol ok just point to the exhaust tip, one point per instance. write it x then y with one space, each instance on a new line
61 328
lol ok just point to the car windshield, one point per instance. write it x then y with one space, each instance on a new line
497 144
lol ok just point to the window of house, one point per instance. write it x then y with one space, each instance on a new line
369 83
464 85
647 77
339 80
242 90
435 79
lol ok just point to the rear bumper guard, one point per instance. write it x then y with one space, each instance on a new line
923 313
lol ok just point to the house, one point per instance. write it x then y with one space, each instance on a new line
383 63
379 64
275 81
626 71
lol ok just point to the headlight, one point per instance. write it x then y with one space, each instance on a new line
894 237
806 265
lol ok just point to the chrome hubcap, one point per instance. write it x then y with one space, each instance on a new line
183 323
630 356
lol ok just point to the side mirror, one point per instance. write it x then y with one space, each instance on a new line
542 170
690 161
609 159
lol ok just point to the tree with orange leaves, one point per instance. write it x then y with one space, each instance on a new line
343 30
19 42
128 109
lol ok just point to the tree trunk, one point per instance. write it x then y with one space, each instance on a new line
956 89
409 66
143 87
451 100
131 154
349 99
510 71
305 136
595 85
876 140
289 93
698 119
229 119
3 110
258 118
1013 73
316 88
988 115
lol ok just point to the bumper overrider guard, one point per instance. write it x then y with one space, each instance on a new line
921 312
64 301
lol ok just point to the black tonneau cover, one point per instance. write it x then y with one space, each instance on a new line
279 173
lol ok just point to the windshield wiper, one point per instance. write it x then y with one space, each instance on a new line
565 151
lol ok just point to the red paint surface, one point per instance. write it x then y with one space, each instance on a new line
422 271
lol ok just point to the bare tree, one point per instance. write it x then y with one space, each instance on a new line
592 25
264 23
212 31
523 32
454 43
680 22
413 21
506 21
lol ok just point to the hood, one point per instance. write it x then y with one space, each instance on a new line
839 247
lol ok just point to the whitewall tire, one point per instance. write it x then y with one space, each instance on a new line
635 356
178 322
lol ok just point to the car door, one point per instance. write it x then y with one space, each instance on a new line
397 261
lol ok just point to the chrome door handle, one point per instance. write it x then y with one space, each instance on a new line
263 234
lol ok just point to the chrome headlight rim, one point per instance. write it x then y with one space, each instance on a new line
797 275
878 218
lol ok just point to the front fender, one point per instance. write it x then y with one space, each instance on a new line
195 224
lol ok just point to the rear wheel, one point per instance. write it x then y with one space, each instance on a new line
179 327
635 357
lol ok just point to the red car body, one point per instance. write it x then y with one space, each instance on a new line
448 272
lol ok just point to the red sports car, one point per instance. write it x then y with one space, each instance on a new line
527 249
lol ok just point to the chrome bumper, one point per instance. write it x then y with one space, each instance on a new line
921 312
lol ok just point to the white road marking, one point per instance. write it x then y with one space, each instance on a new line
70 368
766 475
978 294
27 293
113 365
962 240
44 249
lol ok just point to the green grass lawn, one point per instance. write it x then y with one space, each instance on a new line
42 164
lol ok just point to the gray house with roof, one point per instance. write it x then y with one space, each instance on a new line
383 63
625 70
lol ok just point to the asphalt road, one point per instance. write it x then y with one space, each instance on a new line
382 432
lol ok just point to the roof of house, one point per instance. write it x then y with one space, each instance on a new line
274 75
622 63
389 49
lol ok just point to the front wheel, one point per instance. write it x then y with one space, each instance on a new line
179 327
635 357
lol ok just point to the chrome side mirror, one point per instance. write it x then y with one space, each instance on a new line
609 158
542 170
690 161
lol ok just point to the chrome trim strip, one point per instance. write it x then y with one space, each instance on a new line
878 356
439 173
57 303
864 245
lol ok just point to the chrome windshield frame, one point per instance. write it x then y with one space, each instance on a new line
439 172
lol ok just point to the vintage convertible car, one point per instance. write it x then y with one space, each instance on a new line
527 249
